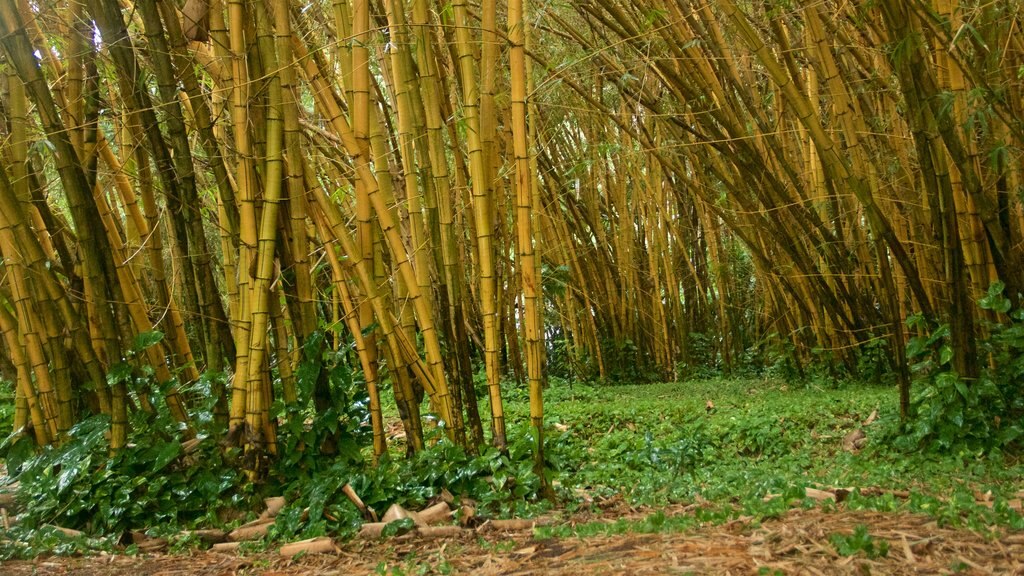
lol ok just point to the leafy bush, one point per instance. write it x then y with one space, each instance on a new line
951 414
151 481
342 427
6 405
757 435
501 484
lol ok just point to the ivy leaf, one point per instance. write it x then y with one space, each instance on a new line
945 354
995 300
168 452
147 339
120 372
71 468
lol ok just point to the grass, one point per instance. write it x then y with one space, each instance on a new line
730 444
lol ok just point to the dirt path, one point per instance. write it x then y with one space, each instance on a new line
797 543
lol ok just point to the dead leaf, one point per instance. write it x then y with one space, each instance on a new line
855 440
871 417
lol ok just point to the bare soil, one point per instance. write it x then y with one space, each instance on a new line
797 543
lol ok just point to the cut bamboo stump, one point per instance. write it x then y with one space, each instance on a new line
274 505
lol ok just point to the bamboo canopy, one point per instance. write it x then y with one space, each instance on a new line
600 189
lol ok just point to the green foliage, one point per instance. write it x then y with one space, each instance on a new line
500 484
26 542
733 447
658 445
624 362
6 405
859 542
150 482
703 359
953 415
398 527
342 425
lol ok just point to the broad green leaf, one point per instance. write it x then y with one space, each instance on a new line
147 339
945 354
165 454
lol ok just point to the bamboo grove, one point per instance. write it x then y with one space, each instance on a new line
584 189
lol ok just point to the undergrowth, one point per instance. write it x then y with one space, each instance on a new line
726 448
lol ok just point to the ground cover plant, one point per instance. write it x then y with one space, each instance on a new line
687 455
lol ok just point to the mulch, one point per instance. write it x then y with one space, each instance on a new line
795 543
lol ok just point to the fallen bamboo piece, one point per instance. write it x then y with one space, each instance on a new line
395 512
433 514
226 547
67 531
367 512
372 530
815 494
251 531
467 514
516 524
274 505
209 536
321 545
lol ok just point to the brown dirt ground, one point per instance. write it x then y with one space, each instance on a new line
797 543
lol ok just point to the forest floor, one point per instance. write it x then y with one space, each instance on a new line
796 543
713 477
